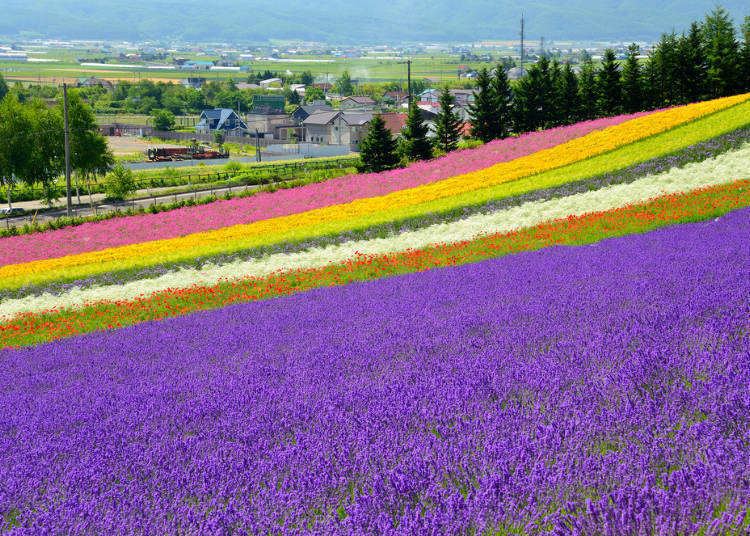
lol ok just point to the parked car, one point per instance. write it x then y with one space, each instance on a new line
10 212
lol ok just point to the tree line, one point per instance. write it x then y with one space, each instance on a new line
708 61
32 149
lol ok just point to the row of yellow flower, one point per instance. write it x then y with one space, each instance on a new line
480 184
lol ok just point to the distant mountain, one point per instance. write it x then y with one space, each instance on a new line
337 21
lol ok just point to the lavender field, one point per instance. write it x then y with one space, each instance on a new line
602 389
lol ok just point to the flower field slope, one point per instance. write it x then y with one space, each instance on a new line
147 227
567 162
714 171
596 389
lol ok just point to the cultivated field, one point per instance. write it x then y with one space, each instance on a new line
547 334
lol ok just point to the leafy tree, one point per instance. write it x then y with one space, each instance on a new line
608 82
313 93
569 96
588 90
3 87
119 183
344 85
218 137
503 102
84 135
163 120
483 111
447 123
16 142
415 145
632 84
378 149
722 54
292 97
47 153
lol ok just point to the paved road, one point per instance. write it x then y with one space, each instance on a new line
85 210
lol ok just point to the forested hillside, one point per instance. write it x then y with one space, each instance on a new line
339 20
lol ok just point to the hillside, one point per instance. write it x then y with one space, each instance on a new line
338 21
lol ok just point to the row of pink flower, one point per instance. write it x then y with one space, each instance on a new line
223 213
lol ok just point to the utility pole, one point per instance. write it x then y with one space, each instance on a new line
408 78
522 47
257 146
67 150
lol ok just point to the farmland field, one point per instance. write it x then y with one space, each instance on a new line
547 334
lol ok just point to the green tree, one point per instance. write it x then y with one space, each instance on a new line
119 183
534 98
47 154
306 77
3 87
344 85
87 145
608 81
722 54
588 90
483 111
691 70
414 142
218 137
313 93
569 96
745 54
632 84
16 143
378 149
292 97
447 123
503 102
163 120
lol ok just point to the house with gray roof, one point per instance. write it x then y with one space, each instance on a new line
338 128
224 119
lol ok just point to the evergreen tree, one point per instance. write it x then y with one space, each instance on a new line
651 85
534 98
632 85
609 89
745 56
692 67
503 102
344 85
555 116
569 97
378 149
447 123
483 111
415 145
588 91
666 61
722 54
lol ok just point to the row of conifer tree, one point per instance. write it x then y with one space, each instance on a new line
708 61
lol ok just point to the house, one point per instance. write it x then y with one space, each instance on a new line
245 85
306 110
224 119
357 103
462 97
394 122
395 97
429 95
325 87
337 128
195 82
93 81
299 88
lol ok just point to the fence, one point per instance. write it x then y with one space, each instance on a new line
280 169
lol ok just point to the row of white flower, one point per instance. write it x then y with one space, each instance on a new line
722 169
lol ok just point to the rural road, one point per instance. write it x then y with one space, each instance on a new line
85 210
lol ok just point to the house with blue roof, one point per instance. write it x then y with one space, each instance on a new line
224 119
